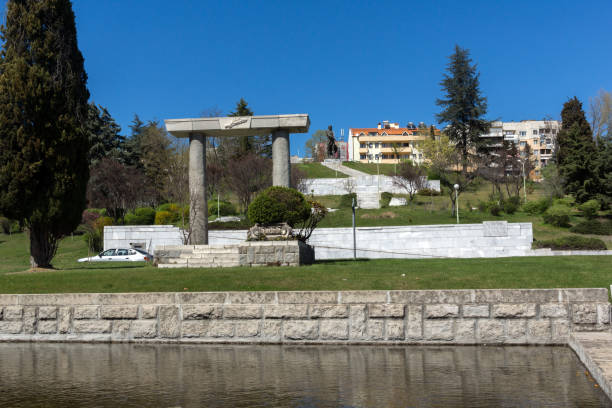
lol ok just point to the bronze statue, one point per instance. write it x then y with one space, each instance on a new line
332 148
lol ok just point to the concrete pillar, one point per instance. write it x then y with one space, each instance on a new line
281 167
198 208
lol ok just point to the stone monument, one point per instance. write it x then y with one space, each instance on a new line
197 129
332 148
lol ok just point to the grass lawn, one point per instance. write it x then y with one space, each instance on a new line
387 169
528 272
317 170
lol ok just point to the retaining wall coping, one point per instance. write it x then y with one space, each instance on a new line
461 296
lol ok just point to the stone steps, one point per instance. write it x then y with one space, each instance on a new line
368 200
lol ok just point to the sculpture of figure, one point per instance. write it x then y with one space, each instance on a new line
332 148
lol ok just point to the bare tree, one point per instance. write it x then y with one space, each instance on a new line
600 112
117 187
248 175
317 213
410 178
349 185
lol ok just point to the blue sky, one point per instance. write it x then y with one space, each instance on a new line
346 63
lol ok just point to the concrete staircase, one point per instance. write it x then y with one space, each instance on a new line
368 197
209 256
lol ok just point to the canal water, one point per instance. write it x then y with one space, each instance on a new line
137 375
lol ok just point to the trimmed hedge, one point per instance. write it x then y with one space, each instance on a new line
593 227
428 192
279 204
570 242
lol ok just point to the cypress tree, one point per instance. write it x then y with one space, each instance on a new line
463 105
43 109
577 154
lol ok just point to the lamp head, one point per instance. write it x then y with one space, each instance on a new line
456 186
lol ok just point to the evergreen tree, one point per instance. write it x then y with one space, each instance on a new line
104 137
432 132
577 154
245 142
463 105
131 154
43 110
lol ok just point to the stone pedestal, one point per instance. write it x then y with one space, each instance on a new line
281 167
198 207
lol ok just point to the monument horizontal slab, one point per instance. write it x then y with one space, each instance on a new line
238 125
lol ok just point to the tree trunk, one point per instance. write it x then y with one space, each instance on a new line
43 246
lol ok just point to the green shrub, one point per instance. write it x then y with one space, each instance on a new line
141 216
536 207
346 201
94 235
567 201
5 225
589 208
385 199
557 215
483 206
164 218
494 208
279 204
572 242
428 192
516 200
510 207
593 227
225 208
99 211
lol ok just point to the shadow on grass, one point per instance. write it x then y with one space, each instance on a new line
104 266
340 261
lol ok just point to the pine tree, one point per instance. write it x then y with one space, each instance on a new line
131 153
463 106
245 142
104 137
43 110
577 154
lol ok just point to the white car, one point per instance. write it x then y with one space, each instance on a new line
120 255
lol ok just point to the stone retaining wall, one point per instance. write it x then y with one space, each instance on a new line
539 316
340 186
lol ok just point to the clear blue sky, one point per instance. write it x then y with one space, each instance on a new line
346 63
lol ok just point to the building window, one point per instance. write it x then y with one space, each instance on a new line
371 145
369 157
405 144
523 144
377 157
376 145
535 131
522 133
362 145
362 157
554 131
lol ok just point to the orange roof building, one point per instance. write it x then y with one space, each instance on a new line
389 143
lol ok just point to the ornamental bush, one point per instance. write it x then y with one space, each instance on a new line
510 206
428 192
558 215
569 242
164 218
225 208
593 227
536 207
346 200
589 208
567 201
385 199
141 216
279 204
494 208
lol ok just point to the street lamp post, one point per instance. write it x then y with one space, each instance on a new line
456 186
524 182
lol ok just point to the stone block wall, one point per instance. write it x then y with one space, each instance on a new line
540 316
253 253
338 186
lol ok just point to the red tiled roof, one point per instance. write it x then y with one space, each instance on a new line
399 131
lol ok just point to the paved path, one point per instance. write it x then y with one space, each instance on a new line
343 169
595 352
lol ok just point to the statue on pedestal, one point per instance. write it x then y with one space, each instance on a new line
332 148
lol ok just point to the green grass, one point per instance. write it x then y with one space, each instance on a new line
371 168
317 170
70 276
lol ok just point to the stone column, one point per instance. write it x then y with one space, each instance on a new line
198 208
281 167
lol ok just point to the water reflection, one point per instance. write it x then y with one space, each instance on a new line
104 375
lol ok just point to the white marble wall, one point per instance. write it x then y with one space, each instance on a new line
338 186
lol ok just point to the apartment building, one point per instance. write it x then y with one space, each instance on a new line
539 135
388 143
